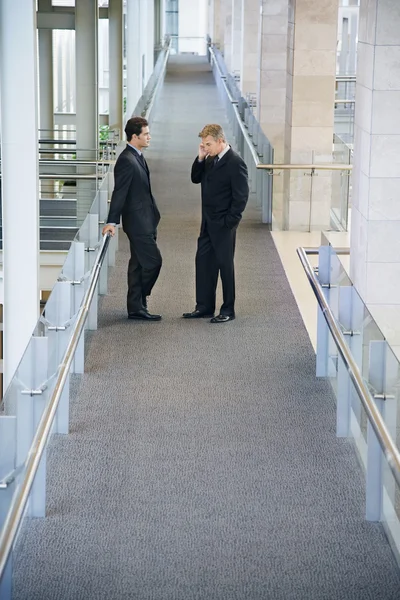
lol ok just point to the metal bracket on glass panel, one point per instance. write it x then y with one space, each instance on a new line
71 281
10 478
384 397
38 392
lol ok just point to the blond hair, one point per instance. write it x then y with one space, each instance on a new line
214 130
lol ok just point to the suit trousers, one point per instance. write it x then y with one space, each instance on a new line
215 254
143 270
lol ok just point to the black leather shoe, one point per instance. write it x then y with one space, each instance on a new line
197 314
222 318
143 315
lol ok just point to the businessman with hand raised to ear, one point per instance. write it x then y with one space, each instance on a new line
223 176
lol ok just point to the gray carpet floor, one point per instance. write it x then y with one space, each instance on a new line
202 461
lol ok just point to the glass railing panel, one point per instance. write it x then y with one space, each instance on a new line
341 184
390 409
368 410
44 359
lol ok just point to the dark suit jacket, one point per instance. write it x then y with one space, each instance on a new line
132 197
224 189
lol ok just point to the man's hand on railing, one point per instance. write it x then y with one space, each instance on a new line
108 229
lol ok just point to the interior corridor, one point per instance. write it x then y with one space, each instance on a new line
202 461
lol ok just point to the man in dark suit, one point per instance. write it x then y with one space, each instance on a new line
224 193
132 198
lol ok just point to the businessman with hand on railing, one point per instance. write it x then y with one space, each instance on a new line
224 193
132 199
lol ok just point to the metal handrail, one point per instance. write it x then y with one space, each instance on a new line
319 167
159 81
235 109
17 508
73 163
387 444
344 78
64 176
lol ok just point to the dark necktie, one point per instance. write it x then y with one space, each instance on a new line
216 159
141 160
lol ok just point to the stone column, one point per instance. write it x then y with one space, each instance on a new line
249 46
20 193
375 222
133 59
46 117
143 35
46 91
271 86
150 40
115 15
215 22
87 117
236 52
310 93
228 5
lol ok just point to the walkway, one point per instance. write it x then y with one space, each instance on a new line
202 462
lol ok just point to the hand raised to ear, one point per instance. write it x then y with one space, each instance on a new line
202 152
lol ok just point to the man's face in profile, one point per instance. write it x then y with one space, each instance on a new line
143 140
212 146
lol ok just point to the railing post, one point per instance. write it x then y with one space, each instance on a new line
103 209
324 278
382 376
92 241
59 310
74 271
33 373
267 185
350 317
112 248
7 465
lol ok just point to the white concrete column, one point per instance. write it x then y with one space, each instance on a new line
115 16
375 221
228 10
143 35
150 40
20 190
133 57
236 52
219 23
310 93
86 23
46 116
211 19
87 112
249 46
162 20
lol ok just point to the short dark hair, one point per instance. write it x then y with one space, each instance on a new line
134 126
